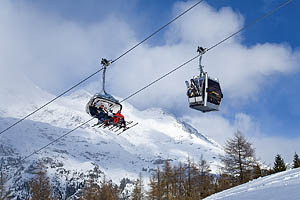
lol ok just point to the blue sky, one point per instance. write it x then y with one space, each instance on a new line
90 30
278 105
280 27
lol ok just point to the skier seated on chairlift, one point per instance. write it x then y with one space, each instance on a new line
193 89
119 119
100 113
109 118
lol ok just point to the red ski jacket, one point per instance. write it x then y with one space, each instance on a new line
117 117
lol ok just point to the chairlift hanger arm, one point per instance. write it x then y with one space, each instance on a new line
201 50
105 63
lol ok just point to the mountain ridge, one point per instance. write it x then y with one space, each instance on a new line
158 137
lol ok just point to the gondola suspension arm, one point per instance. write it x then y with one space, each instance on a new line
201 52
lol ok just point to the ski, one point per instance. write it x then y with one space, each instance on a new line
95 124
115 128
129 122
98 124
125 129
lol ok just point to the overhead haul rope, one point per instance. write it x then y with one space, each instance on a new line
180 66
158 30
46 104
126 52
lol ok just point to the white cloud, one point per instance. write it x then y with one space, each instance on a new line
269 146
52 51
220 128
56 53
204 24
266 146
243 71
212 125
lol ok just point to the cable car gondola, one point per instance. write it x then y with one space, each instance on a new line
204 93
106 108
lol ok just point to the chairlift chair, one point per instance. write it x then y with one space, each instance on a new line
110 104
103 104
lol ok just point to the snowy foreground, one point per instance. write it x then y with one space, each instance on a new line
280 186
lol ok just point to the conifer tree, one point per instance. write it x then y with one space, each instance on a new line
3 192
178 190
108 191
279 164
191 182
224 182
152 194
167 181
91 191
257 172
296 161
155 186
39 186
205 186
239 159
270 171
137 193
174 183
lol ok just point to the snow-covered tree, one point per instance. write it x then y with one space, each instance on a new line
3 191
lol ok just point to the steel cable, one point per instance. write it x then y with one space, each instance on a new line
138 44
175 69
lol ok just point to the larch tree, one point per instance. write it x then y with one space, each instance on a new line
191 189
137 193
223 182
91 191
178 183
204 180
39 186
108 191
257 172
155 184
239 159
167 176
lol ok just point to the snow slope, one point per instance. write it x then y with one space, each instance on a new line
280 186
158 137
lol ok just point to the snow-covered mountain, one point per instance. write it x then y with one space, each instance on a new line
88 150
281 186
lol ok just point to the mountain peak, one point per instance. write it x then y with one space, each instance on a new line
159 136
